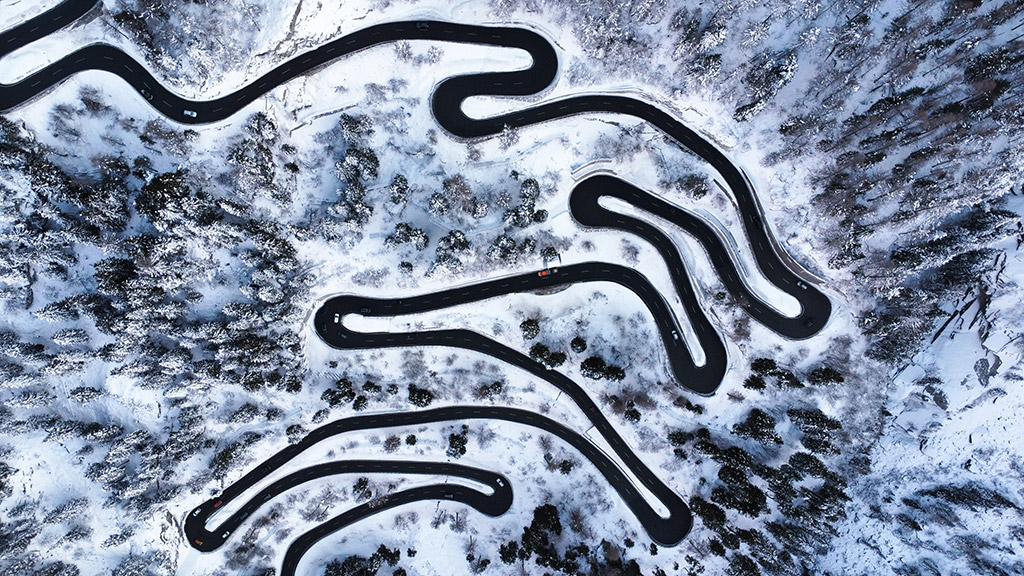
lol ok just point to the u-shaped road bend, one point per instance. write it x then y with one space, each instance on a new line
585 208
329 322
815 308
667 531
446 104
494 504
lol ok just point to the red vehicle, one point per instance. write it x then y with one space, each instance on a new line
218 503
547 272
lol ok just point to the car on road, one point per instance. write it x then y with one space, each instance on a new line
198 542
190 113
197 511
218 503
146 94
675 335
809 322
337 318
364 310
422 26
225 534
547 272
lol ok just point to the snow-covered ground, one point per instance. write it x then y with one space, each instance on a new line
949 417
953 418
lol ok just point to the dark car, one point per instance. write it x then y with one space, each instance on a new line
422 26
146 94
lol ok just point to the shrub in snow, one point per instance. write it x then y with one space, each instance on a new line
578 344
398 191
85 394
457 443
420 396
439 204
360 403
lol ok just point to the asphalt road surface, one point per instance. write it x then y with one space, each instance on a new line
666 531
446 105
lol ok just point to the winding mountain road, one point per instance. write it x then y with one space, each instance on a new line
446 104
665 530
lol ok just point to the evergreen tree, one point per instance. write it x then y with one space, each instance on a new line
759 426
593 368
530 328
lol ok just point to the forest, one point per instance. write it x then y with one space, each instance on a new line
156 281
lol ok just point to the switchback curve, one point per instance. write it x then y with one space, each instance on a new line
495 504
666 531
446 103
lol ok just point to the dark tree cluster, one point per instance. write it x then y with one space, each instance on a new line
546 356
530 328
343 391
507 250
759 426
818 429
457 443
356 169
256 159
420 397
490 391
543 541
526 213
578 345
406 234
808 492
360 566
398 191
595 367
449 248
767 368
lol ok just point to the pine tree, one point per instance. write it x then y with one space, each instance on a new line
759 426
593 368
